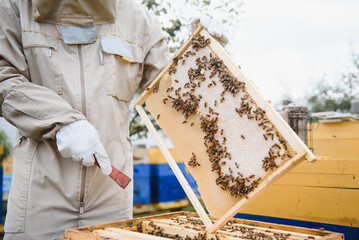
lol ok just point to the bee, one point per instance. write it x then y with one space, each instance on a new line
185 121
209 85
214 83
176 81
237 165
215 103
172 69
250 116
285 146
221 132
158 116
155 89
243 137
183 61
222 99
269 130
192 124
205 104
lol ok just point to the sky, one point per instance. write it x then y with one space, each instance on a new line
285 46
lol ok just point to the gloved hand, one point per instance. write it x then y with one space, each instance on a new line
79 140
213 27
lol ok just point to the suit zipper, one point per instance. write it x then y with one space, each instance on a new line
51 49
84 111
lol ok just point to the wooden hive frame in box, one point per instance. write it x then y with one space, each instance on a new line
271 135
186 226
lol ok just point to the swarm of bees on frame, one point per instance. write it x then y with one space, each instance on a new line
230 229
186 100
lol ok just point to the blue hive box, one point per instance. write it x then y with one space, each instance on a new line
189 178
164 184
6 182
141 184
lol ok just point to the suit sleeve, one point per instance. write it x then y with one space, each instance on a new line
36 111
157 56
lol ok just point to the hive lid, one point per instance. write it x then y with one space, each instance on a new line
232 141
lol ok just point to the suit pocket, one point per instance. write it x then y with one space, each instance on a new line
42 57
123 67
22 162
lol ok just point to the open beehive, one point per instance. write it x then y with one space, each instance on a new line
233 142
188 226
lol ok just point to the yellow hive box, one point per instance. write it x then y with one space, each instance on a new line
325 191
156 156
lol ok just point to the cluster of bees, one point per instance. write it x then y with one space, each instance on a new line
186 100
234 230
278 150
250 233
193 162
159 231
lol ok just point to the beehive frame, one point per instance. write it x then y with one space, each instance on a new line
186 225
299 150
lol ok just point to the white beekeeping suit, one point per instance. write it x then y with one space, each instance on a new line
72 63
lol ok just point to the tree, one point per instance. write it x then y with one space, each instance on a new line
286 100
176 24
176 20
4 140
337 96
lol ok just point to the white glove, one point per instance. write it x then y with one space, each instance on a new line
213 27
79 140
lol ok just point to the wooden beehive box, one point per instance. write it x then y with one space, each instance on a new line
231 139
188 226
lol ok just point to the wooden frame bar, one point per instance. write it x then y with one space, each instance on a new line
186 187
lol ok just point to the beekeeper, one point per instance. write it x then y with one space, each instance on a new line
68 70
